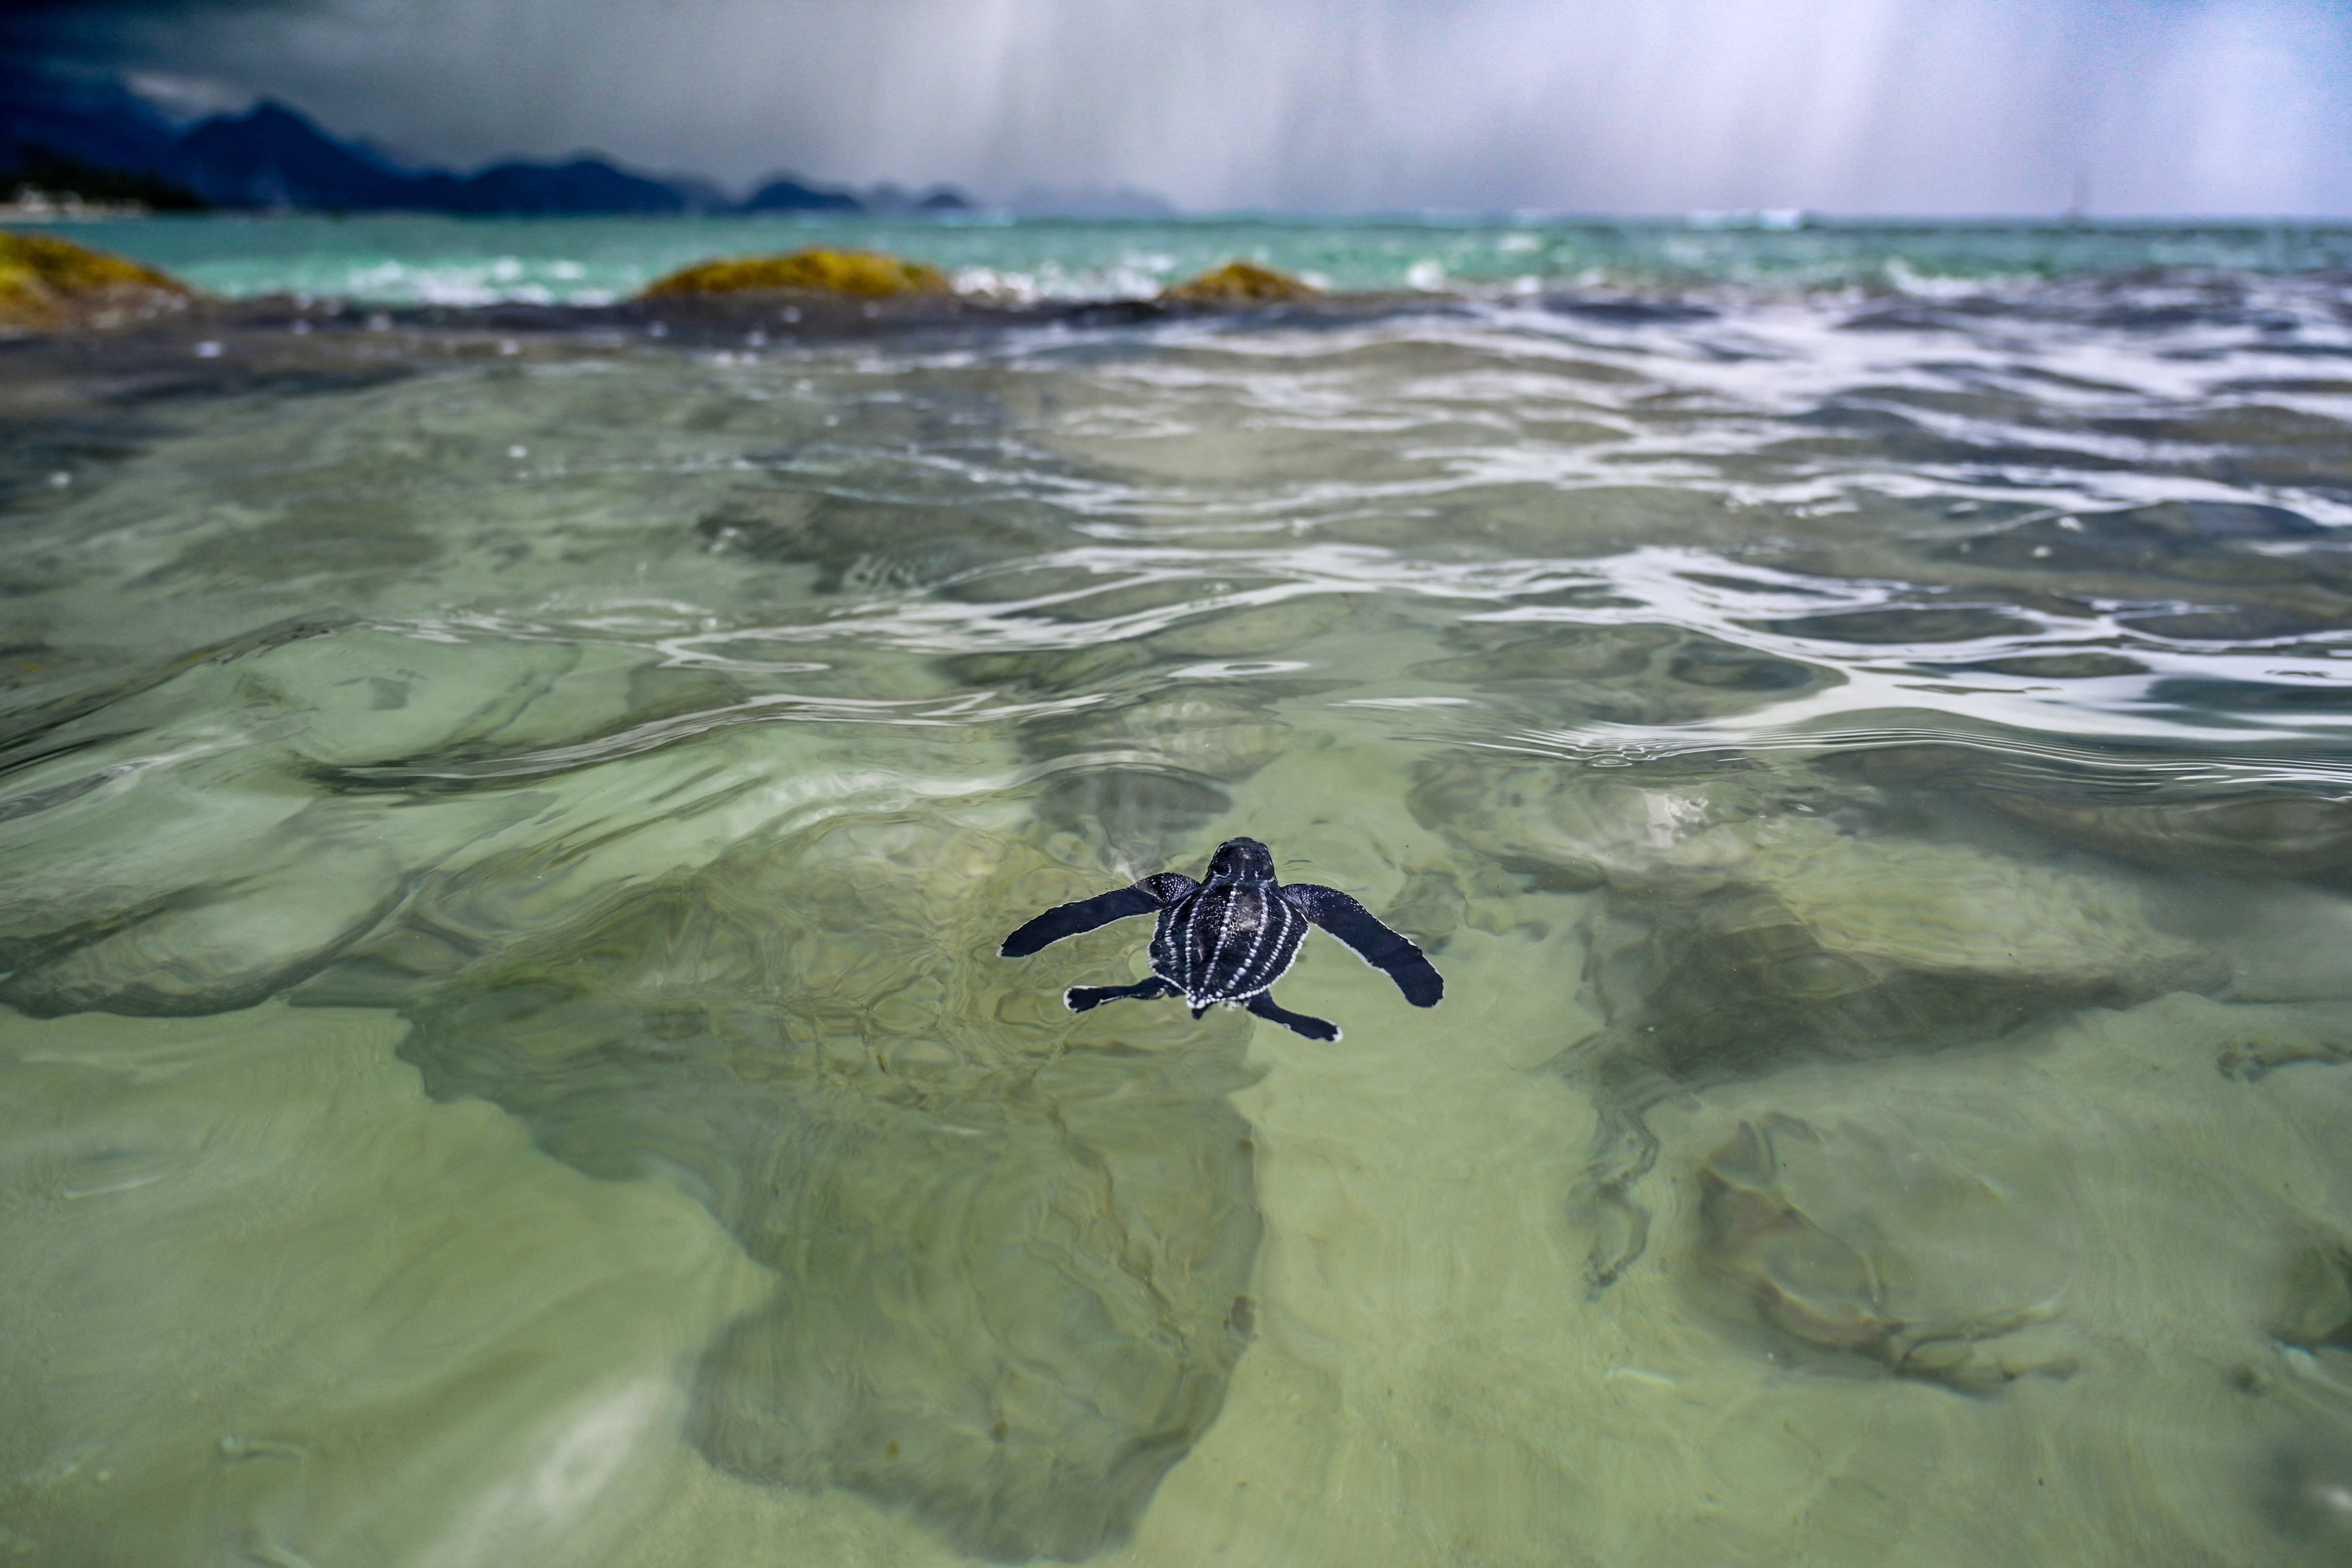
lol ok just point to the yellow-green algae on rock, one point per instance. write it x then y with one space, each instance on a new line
1241 283
872 273
47 282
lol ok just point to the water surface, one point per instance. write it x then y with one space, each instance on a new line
507 1057
472 261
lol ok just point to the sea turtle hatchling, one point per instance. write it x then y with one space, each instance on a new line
1229 938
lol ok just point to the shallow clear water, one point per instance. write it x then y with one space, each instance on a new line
508 1060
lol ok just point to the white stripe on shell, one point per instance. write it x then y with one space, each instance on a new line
1249 966
1183 954
1196 970
1188 961
1291 933
1224 932
1274 930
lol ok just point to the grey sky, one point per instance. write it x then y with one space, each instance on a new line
1932 106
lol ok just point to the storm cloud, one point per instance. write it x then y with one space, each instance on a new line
1927 107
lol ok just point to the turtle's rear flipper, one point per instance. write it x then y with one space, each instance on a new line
1262 1005
1084 998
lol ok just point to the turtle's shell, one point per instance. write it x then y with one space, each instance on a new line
1227 943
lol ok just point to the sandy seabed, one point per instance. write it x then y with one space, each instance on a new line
275 1302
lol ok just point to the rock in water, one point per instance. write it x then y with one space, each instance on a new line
1008 1265
47 283
864 546
2247 833
867 273
1241 283
1838 1242
1741 929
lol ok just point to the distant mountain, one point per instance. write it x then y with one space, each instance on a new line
1090 201
62 134
91 124
583 186
271 156
783 193
788 194
889 199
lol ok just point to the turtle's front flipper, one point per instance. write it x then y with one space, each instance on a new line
1376 945
1084 998
1262 1005
1070 919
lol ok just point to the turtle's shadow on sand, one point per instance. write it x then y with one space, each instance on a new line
1011 1253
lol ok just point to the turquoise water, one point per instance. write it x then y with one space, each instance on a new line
506 837
454 261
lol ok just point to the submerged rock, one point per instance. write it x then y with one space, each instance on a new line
1241 283
213 946
1752 978
1011 1260
866 273
1830 949
1631 674
1753 919
47 283
1129 816
216 882
2304 1407
2264 832
2307 1487
363 760
2199 571
1219 729
2217 542
2315 1308
1841 1277
864 546
1750 920
1137 781
2216 828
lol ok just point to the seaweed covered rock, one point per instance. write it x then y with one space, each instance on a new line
869 274
1011 1259
1240 283
47 283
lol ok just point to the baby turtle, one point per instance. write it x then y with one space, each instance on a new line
1229 938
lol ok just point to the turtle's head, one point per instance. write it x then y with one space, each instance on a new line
1242 863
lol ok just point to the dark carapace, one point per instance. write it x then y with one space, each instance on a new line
1229 938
